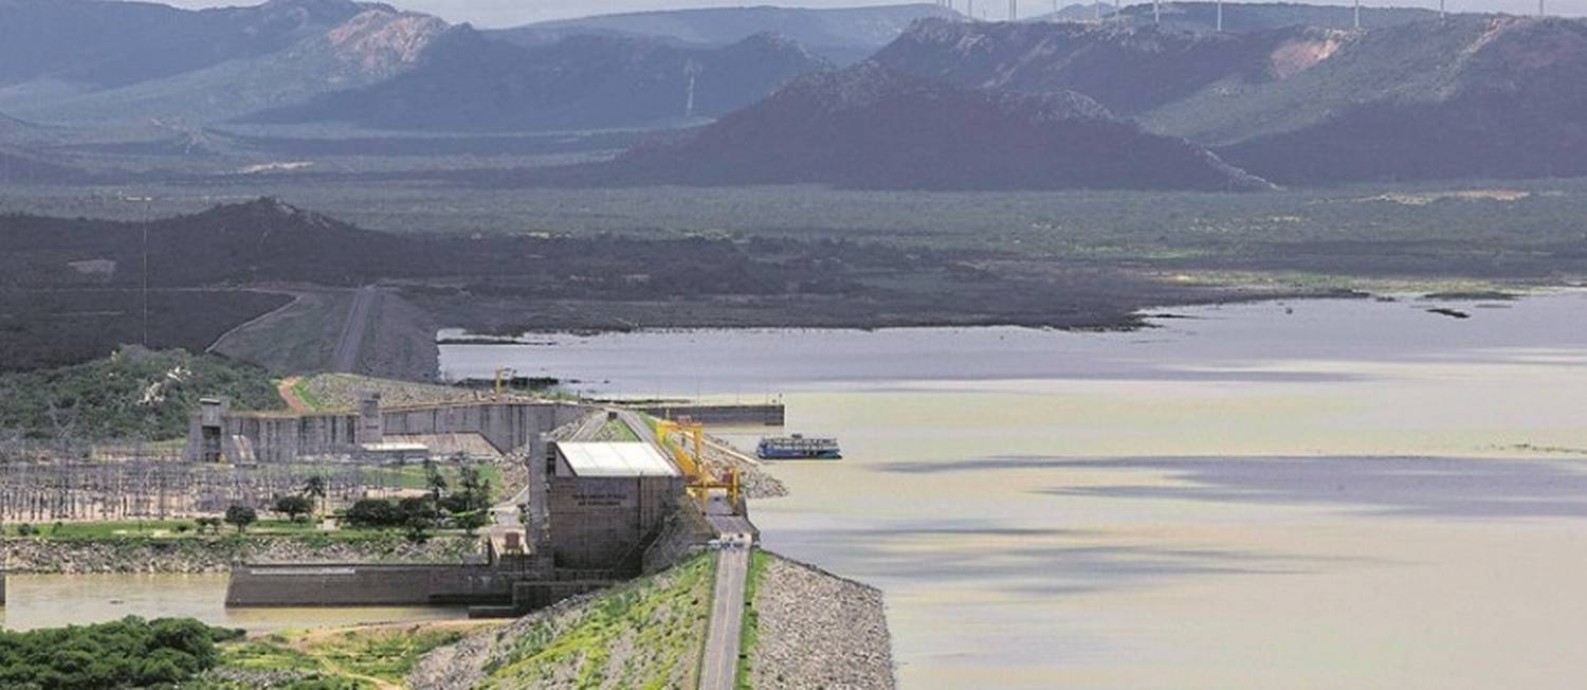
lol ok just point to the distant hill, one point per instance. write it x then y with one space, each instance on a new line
840 35
1129 70
468 82
96 44
1202 17
871 127
1469 96
29 169
373 45
1496 97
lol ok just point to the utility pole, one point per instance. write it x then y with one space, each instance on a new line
1013 10
1358 15
1157 12
1220 16
146 273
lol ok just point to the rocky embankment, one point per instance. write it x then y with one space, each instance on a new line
818 630
195 555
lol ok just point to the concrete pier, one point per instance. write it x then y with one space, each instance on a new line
770 414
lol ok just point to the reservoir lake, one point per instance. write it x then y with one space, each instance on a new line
1306 494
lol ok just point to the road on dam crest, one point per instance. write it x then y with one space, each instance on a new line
720 668
366 302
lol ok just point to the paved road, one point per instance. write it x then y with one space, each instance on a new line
351 344
719 670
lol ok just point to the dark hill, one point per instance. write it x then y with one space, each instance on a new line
870 127
467 82
26 169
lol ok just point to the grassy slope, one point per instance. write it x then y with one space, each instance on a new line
646 634
366 657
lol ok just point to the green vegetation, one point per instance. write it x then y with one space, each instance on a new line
133 394
417 477
301 388
617 430
463 508
749 635
354 659
294 507
241 517
645 634
131 652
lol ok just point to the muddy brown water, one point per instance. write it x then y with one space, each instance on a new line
1329 494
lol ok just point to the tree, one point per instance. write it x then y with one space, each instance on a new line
240 516
373 512
471 522
315 488
294 507
418 516
434 481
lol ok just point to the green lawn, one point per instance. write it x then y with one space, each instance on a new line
352 658
749 635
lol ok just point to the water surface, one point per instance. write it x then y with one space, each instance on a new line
1334 494
52 601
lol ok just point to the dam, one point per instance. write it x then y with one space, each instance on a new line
595 511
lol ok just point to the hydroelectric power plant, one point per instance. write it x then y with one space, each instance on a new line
610 495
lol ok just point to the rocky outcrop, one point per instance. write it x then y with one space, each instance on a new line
818 630
199 555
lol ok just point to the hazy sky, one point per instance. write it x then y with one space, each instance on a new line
496 13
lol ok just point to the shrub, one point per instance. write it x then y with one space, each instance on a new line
373 512
294 507
240 516
130 652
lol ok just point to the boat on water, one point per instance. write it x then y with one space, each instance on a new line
797 447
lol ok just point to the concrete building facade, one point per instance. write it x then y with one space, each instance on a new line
608 502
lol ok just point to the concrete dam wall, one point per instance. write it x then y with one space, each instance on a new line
354 584
217 434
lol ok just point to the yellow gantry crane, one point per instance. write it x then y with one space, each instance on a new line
690 458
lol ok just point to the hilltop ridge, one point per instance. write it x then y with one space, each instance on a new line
870 127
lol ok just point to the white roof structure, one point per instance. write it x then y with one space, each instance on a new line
631 459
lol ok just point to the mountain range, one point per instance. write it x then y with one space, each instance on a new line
468 82
106 62
842 36
870 127
77 45
1468 96
1287 93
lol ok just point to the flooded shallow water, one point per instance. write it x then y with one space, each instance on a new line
49 601
1335 494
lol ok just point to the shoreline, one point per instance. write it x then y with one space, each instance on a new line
192 556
